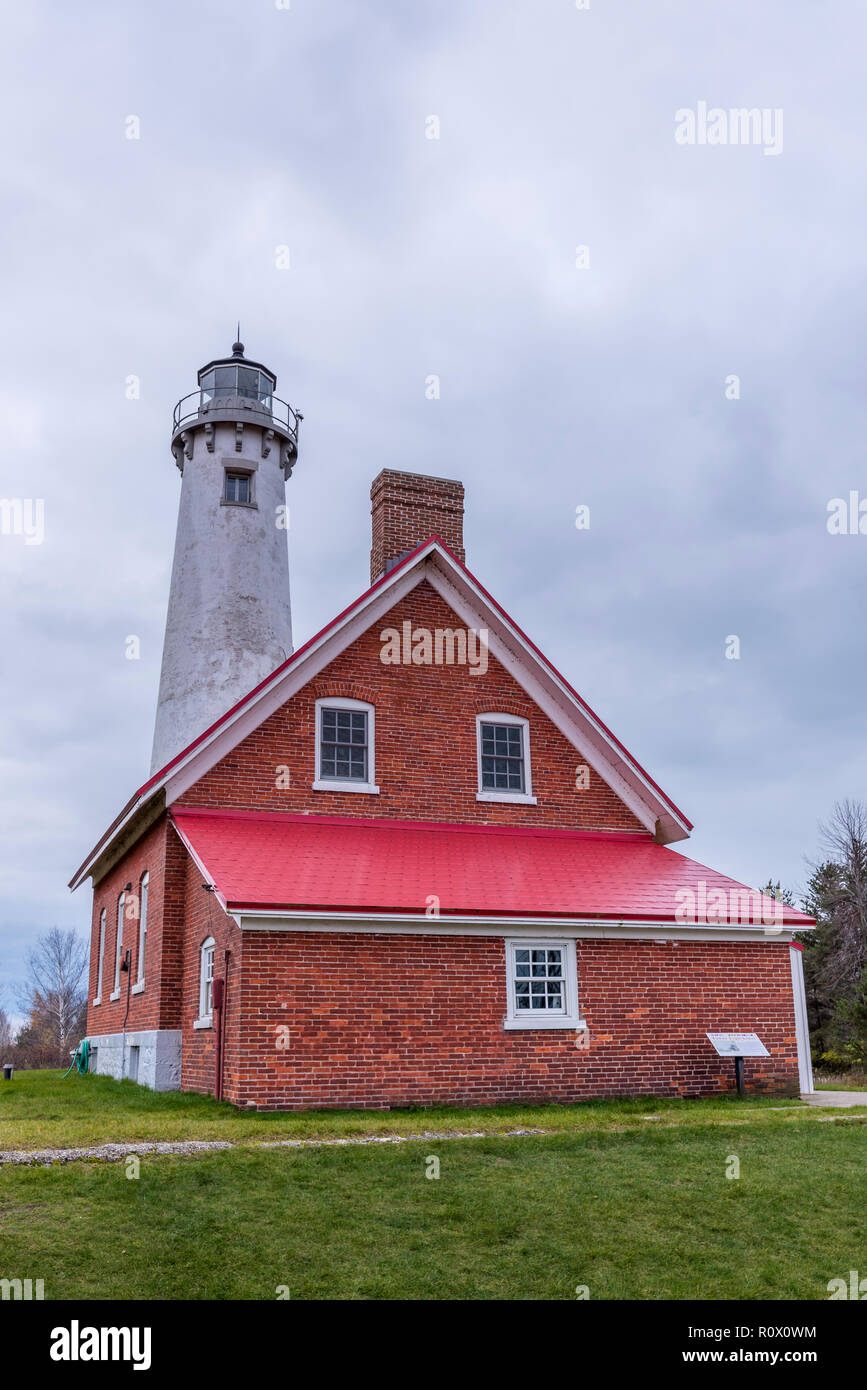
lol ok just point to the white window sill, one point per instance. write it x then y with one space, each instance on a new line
558 1021
138 988
346 786
97 1000
518 798
203 1023
115 994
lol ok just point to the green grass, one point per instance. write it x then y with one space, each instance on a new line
645 1213
839 1086
41 1110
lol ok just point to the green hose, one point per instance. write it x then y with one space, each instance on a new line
80 1059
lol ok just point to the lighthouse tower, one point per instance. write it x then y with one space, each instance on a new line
228 623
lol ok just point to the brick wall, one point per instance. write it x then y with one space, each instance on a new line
155 854
204 918
409 508
387 1020
425 744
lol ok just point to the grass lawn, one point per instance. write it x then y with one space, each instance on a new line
631 1206
839 1086
41 1110
647 1214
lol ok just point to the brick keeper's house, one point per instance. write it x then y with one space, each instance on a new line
405 863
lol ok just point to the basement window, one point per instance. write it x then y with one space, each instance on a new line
542 985
344 746
238 489
503 751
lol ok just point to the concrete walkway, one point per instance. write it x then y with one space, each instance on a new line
837 1099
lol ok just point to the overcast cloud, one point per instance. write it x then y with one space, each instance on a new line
306 127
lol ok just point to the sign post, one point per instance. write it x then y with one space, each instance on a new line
738 1046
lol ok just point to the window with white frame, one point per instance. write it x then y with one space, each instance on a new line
206 980
345 746
238 489
503 750
100 958
542 984
118 944
142 927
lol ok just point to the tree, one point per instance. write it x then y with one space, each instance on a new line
835 954
775 890
7 1036
55 995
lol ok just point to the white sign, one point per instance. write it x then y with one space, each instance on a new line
738 1044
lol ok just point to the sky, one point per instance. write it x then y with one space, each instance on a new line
500 195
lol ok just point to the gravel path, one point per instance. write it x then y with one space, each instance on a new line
112 1153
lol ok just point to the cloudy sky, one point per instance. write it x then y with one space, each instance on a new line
567 378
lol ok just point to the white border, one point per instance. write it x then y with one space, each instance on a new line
543 1019
524 798
118 944
339 784
143 897
209 944
102 924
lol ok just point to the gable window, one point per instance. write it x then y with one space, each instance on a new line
542 985
503 749
206 983
344 746
238 489
118 946
101 958
142 933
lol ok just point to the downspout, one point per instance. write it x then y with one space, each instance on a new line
220 987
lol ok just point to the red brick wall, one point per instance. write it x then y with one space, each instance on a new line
204 918
409 508
388 1020
425 744
156 854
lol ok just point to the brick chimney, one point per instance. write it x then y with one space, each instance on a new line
406 509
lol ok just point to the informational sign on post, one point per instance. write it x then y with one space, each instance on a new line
738 1044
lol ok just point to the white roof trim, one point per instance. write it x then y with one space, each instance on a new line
279 919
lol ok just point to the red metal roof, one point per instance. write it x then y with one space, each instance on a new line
269 861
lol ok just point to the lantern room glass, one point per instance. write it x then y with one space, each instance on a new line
237 379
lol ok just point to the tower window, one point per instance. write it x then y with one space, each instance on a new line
238 489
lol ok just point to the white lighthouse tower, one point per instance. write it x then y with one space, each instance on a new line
229 624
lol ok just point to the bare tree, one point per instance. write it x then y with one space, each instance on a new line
845 838
835 954
55 995
7 1035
